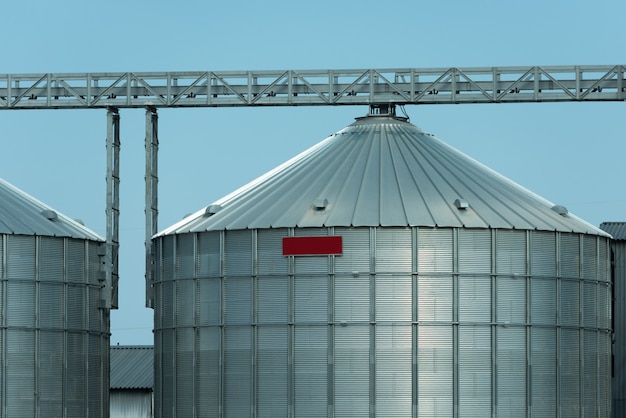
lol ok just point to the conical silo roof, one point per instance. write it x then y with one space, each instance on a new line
22 214
382 171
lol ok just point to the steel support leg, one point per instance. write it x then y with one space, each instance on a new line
152 212
113 207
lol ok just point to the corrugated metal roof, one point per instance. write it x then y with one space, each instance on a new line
22 214
616 229
382 171
132 367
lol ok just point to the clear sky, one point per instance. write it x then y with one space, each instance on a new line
570 153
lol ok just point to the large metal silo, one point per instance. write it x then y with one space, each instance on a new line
382 273
54 332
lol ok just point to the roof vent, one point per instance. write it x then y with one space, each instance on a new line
50 214
461 204
561 210
320 204
212 210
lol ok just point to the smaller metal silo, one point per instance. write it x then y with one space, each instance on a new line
54 327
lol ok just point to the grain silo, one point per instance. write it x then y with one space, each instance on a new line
382 273
54 337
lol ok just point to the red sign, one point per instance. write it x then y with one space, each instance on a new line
312 245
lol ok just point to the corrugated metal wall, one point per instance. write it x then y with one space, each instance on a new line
54 339
619 346
408 322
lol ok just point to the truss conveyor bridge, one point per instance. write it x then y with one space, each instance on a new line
380 88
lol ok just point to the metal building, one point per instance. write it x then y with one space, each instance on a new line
618 259
382 273
54 337
132 381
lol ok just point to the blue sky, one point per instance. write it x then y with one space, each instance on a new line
569 153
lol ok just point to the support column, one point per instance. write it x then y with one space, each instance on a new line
152 212
113 208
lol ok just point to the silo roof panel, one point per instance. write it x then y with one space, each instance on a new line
22 214
383 171
616 229
132 367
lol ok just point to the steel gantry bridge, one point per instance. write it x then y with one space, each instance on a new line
154 90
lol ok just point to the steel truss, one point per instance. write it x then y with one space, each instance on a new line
312 87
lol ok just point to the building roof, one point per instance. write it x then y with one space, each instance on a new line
132 367
382 171
616 229
22 214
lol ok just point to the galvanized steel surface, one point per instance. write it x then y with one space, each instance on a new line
616 229
22 214
132 367
382 171
407 322
54 336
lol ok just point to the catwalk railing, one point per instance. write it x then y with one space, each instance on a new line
313 87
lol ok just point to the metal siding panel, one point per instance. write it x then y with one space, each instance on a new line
237 371
75 261
543 253
209 301
352 366
76 307
20 372
475 371
185 256
168 258
76 372
604 305
356 250
511 372
185 375
394 299
569 257
311 299
510 252
590 257
474 251
168 306
94 323
21 309
168 372
604 370
394 250
435 374
238 253
207 381
272 371
269 252
185 312
604 265
570 302
590 304
208 258
51 305
51 257
569 375
50 374
237 300
435 296
272 299
434 250
394 370
475 299
544 372
590 377
311 371
543 309
352 299
511 300
21 257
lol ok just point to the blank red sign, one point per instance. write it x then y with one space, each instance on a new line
312 245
